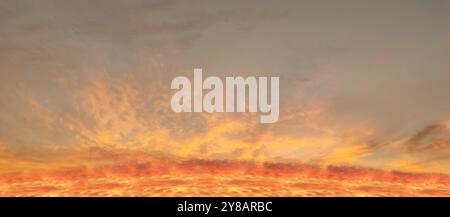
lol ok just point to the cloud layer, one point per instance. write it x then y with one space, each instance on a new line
85 92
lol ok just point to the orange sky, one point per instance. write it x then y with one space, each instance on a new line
223 178
85 98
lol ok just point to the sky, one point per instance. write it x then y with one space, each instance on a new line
85 86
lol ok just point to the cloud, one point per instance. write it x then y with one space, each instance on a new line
84 92
223 177
430 138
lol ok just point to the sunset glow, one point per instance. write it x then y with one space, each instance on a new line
85 98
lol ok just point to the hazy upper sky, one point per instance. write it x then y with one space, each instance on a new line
362 82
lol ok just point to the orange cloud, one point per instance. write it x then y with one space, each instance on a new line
114 144
224 178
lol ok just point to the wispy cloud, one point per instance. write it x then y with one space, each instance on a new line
84 93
